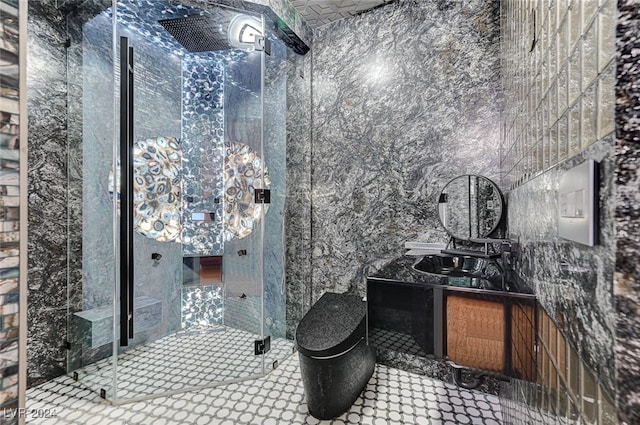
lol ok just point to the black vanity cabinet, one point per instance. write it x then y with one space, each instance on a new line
402 317
485 330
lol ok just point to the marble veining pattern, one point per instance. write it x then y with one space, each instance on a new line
405 97
627 216
298 195
47 170
571 281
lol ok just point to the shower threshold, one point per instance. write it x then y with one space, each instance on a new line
183 361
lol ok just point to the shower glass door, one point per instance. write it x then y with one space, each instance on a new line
91 209
174 180
197 160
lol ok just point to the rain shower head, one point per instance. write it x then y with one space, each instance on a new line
198 33
203 33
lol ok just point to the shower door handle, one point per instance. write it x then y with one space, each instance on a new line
126 191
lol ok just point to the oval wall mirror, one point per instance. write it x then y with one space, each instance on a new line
470 207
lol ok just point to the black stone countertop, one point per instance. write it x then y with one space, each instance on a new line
401 270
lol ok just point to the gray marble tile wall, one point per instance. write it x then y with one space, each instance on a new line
47 201
627 268
298 196
405 97
11 162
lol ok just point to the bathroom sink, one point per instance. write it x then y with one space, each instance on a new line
463 270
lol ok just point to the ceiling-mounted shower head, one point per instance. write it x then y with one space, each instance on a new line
216 29
198 33
243 30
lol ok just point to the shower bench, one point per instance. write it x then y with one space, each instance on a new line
96 324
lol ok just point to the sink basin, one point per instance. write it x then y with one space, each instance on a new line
463 270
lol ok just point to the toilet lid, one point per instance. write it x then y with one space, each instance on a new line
333 325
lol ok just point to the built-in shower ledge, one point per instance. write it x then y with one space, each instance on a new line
96 324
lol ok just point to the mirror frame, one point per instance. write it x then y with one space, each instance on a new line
498 221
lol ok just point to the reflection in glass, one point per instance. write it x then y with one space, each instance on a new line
212 287
470 207
243 173
157 188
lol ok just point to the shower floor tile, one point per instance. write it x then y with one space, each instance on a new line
185 360
391 397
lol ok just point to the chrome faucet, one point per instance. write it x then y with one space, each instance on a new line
501 258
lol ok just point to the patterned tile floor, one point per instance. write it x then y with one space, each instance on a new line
182 361
391 397
396 341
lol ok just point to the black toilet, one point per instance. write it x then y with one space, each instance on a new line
336 360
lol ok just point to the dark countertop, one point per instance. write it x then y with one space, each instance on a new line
401 270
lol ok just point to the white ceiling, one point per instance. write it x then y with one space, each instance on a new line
320 12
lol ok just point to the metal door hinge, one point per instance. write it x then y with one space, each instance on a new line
262 196
262 44
262 346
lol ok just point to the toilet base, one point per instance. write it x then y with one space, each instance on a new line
332 385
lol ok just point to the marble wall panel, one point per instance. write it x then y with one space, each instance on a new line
572 281
47 202
10 165
627 213
298 198
405 97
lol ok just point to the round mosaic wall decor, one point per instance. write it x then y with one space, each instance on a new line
157 183
244 171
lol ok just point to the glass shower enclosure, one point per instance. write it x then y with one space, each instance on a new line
176 197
